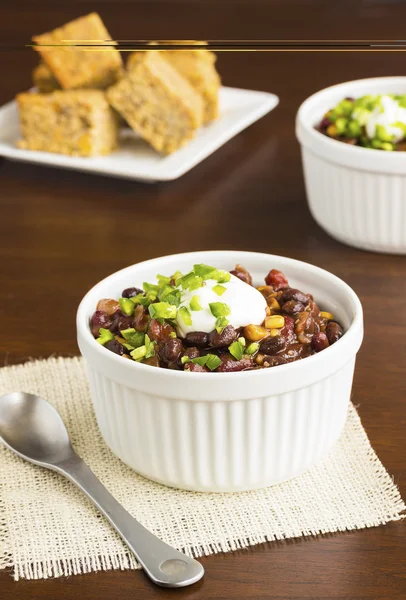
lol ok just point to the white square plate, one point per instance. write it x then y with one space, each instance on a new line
135 159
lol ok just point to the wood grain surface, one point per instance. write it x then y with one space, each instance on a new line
63 231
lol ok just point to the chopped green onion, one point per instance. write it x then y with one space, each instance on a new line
133 337
252 348
184 359
163 280
186 316
140 299
162 310
105 336
221 323
219 309
195 304
191 282
149 347
236 350
139 353
127 306
219 289
211 361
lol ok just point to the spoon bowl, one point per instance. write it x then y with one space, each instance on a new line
33 429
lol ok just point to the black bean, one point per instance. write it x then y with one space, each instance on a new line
131 292
225 338
293 294
197 338
333 331
291 307
273 345
319 341
191 352
115 346
170 350
120 322
99 319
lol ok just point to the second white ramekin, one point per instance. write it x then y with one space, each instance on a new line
224 432
358 195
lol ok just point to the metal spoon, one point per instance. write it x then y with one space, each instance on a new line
34 430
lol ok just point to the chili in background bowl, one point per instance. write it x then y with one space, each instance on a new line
356 194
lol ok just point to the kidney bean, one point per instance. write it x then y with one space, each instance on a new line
99 319
120 322
141 319
319 342
197 338
277 280
108 306
333 331
131 292
115 346
195 368
273 345
292 307
159 332
297 295
191 352
242 273
230 365
325 122
304 327
273 361
289 330
170 350
225 338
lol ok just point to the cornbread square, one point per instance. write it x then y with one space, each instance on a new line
158 103
43 79
74 122
75 67
198 67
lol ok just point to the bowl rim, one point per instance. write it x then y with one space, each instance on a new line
348 344
369 159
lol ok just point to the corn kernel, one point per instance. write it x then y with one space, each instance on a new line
274 332
268 311
273 303
265 290
275 322
327 315
259 359
332 130
254 333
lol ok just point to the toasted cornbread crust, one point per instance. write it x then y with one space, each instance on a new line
158 103
75 122
198 67
75 67
43 79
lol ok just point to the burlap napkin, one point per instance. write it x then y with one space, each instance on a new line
48 528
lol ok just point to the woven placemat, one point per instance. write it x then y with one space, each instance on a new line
48 528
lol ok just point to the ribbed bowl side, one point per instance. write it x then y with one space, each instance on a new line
360 208
222 446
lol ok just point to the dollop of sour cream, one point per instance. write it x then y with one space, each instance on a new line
247 306
386 114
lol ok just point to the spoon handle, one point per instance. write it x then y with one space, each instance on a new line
162 563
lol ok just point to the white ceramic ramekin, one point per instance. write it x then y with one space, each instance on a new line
358 195
224 432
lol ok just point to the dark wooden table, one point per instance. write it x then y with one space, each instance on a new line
62 231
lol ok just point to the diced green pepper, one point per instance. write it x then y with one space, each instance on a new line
162 310
252 348
127 306
184 313
219 289
219 309
105 336
195 304
236 350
